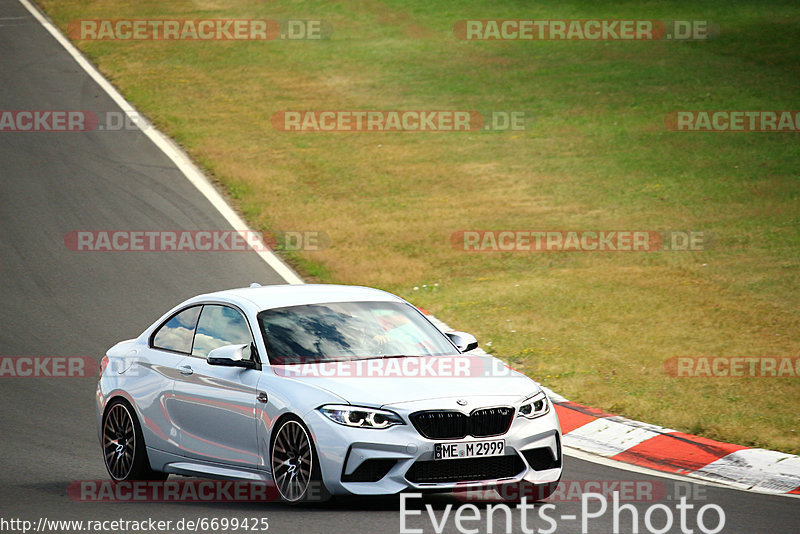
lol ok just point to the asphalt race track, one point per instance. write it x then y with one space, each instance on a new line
58 302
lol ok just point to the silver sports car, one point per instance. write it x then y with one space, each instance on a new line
321 390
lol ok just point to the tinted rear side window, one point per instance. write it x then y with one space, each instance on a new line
178 332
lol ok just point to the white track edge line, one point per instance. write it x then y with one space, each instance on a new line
166 145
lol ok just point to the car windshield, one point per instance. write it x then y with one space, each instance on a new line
340 331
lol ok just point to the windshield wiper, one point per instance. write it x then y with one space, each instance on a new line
387 356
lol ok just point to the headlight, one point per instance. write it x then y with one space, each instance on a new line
535 406
361 417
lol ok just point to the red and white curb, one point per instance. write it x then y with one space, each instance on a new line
667 450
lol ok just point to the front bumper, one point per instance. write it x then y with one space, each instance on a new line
343 450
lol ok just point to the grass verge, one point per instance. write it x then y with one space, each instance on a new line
595 155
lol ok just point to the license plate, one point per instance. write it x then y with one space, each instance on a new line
468 449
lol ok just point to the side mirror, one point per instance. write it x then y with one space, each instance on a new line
231 356
463 341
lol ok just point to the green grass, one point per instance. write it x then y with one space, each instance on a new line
595 155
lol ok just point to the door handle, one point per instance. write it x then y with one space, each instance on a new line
186 370
262 397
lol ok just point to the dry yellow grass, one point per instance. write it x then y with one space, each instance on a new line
595 327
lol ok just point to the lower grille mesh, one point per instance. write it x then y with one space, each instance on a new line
465 470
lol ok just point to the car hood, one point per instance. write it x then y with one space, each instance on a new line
383 382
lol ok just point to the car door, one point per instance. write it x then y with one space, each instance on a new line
153 372
214 406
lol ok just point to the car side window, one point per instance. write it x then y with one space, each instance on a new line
219 326
177 333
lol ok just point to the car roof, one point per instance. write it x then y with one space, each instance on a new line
279 296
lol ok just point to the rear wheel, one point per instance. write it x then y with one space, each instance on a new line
123 445
295 468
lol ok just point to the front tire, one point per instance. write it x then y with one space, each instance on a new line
295 466
124 450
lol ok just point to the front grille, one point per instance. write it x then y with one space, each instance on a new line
446 424
490 422
465 470
441 425
371 470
